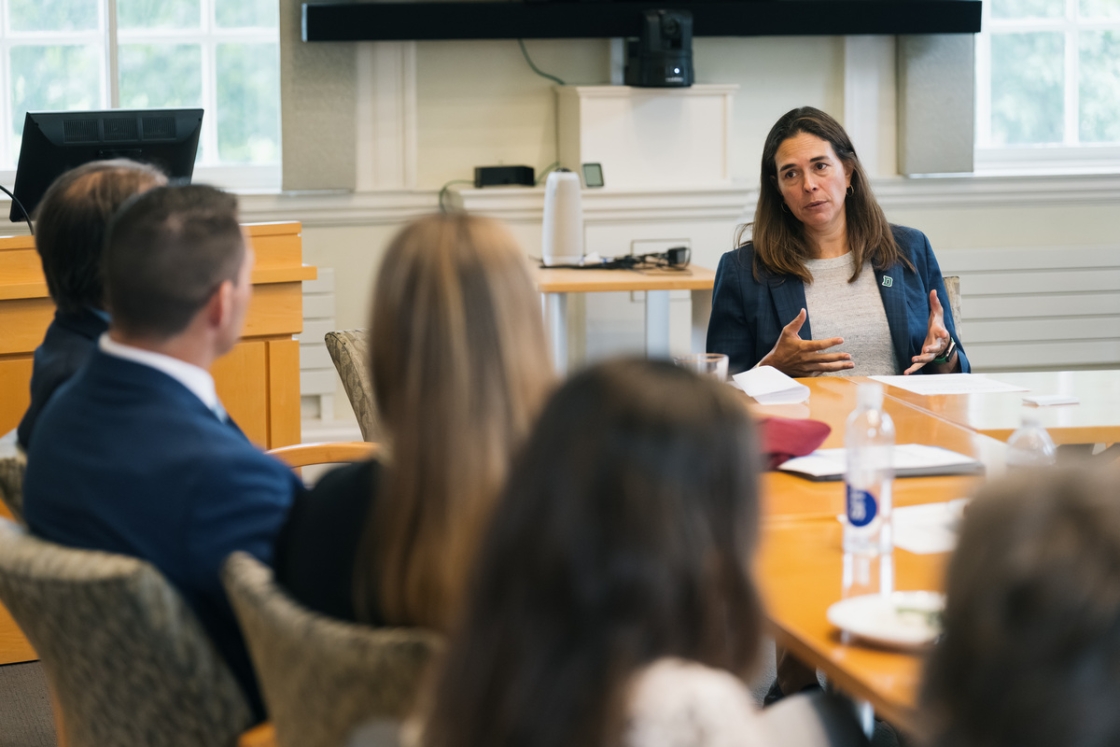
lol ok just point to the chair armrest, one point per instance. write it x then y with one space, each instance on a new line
261 735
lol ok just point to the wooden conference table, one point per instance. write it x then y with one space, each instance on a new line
801 566
1095 420
556 284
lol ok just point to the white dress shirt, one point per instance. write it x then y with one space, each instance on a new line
197 380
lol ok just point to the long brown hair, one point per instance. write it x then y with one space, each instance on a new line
780 245
623 536
460 368
1031 651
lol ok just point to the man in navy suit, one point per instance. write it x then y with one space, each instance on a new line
135 454
71 221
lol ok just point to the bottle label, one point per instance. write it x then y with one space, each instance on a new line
862 507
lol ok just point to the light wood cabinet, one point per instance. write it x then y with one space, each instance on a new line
258 381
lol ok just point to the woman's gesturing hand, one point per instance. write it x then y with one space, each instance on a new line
937 338
796 357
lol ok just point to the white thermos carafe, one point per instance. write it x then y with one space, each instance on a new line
562 242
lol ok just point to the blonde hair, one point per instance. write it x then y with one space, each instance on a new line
460 369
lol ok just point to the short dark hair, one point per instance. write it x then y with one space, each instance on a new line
70 226
1031 652
623 536
166 253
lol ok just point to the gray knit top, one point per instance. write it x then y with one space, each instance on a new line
853 311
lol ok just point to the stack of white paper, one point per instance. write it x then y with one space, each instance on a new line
928 528
910 460
769 386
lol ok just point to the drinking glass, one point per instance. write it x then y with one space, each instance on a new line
708 364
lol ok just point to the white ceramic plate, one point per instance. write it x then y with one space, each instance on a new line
904 619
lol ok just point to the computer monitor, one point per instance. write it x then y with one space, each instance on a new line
55 142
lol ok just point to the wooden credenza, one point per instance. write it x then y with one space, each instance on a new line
258 380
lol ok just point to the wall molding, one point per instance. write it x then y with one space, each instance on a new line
731 203
338 208
997 191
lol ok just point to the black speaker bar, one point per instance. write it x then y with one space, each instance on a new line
335 22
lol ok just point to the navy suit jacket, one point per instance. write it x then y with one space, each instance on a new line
748 315
127 460
69 341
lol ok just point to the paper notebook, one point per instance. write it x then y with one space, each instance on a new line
910 460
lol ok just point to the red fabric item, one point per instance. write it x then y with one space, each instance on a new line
786 438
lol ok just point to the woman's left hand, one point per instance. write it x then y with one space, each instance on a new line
937 337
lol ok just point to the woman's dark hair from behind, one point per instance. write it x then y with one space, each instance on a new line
623 535
1031 653
780 246
71 221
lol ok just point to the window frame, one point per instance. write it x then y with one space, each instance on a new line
106 38
1068 157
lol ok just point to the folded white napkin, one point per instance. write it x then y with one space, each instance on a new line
769 386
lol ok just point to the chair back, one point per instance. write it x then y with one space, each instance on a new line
349 349
12 469
127 661
321 677
334 452
953 288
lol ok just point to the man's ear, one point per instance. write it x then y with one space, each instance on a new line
220 305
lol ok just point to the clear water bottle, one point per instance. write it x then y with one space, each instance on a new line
1030 445
869 442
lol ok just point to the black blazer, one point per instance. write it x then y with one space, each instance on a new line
748 315
317 548
66 347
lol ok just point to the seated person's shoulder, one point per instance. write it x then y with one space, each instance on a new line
673 703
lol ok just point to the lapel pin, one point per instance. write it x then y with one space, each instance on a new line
888 281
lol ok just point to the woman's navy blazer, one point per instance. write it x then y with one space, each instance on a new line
748 315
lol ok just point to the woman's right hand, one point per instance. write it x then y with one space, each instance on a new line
796 357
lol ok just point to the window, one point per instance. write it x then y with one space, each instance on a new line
1048 86
222 55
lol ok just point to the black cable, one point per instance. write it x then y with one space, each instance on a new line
446 188
547 170
536 69
676 259
21 207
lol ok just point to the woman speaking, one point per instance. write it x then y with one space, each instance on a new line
826 285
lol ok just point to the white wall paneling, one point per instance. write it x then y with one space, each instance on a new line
870 106
1039 307
386 115
318 379
648 137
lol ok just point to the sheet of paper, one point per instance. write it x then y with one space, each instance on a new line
928 528
925 529
929 384
907 458
1050 400
769 386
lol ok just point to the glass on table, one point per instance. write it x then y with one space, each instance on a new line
707 364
